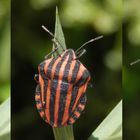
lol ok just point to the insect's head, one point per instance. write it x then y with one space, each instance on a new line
70 53
76 54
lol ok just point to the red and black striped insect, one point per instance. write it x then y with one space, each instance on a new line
62 83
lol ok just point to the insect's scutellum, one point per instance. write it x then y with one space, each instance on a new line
62 83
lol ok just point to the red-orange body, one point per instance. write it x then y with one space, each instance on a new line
60 93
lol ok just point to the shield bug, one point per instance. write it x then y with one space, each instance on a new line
61 85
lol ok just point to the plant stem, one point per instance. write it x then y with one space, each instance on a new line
63 133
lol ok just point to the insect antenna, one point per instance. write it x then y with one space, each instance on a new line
80 54
92 40
51 34
134 62
55 49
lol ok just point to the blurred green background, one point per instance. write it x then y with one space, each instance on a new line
131 74
4 49
81 21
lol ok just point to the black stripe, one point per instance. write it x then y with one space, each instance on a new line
40 91
73 98
67 67
74 117
49 69
56 75
41 67
53 89
82 101
83 78
78 109
51 105
75 72
43 76
62 101
40 110
64 87
45 92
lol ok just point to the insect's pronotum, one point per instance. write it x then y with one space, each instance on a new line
61 85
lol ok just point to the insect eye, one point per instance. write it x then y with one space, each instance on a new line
36 77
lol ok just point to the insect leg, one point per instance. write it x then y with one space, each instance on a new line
51 34
56 45
36 78
80 53
90 85
46 57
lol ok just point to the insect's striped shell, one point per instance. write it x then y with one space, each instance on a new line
60 95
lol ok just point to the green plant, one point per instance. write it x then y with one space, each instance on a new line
66 132
109 129
5 120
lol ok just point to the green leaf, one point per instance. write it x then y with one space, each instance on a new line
111 127
66 132
5 120
5 62
59 34
5 54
